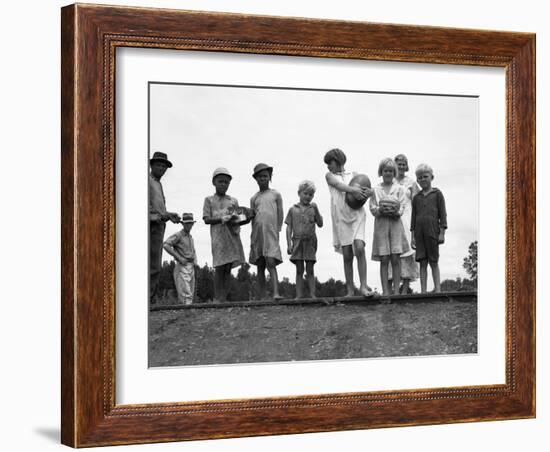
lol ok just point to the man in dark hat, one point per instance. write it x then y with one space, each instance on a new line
158 216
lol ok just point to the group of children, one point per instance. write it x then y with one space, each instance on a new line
398 204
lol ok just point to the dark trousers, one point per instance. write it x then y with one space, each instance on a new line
156 238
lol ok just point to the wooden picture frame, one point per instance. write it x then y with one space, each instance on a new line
90 36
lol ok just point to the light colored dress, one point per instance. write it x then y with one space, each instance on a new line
409 266
347 224
266 224
226 240
389 234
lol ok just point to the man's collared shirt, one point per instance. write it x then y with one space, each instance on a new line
157 203
183 243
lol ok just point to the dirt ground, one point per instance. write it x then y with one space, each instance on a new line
311 332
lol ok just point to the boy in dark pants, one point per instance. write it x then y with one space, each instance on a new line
428 225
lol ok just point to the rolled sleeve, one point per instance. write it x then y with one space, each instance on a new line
172 240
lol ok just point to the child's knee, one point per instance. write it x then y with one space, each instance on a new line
309 268
359 247
270 263
347 252
424 263
384 260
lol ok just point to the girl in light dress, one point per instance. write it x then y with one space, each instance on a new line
265 252
227 249
409 266
389 239
348 225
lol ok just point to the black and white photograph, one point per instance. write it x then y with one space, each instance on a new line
216 251
295 224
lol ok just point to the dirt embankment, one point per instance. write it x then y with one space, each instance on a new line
249 334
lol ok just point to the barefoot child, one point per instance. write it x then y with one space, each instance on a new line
300 236
265 252
182 248
389 239
227 250
348 225
409 266
428 225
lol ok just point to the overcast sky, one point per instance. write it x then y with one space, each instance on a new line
204 127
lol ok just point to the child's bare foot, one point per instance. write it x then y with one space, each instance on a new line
366 292
278 297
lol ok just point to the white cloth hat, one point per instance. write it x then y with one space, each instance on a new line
221 170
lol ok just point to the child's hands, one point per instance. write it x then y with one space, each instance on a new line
389 208
413 242
289 249
226 218
360 192
441 238
315 208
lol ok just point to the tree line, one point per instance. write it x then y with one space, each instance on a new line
244 285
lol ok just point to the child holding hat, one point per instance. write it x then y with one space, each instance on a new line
182 248
227 250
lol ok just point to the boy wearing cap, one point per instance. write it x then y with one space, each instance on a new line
182 248
220 211
158 216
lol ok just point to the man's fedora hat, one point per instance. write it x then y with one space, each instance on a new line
260 167
187 218
161 157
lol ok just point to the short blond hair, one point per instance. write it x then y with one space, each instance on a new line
387 162
306 185
424 168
